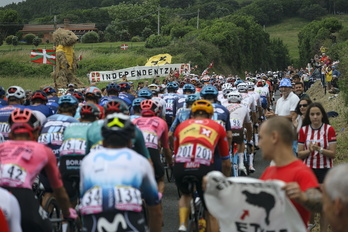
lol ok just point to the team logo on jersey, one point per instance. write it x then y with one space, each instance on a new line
206 132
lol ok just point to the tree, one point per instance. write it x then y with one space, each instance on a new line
157 41
90 37
37 41
14 40
28 38
312 12
9 22
8 39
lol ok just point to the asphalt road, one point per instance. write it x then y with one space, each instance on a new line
170 196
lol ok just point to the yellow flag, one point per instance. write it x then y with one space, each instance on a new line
159 59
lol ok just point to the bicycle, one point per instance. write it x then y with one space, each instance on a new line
168 170
196 222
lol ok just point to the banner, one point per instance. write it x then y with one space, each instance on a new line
138 72
43 56
159 59
243 204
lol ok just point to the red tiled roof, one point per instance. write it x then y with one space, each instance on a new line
48 28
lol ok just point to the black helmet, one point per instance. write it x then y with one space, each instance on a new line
118 124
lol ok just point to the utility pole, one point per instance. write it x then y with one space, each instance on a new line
158 21
198 19
55 22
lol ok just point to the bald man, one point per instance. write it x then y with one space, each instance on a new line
335 198
275 140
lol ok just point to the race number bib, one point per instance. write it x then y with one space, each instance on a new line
184 153
73 146
43 139
56 138
127 198
151 139
203 155
92 201
13 175
236 123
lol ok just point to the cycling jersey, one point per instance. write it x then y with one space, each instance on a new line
53 99
53 130
181 115
106 99
249 101
221 116
154 129
116 179
95 139
170 99
239 114
3 102
5 112
10 207
75 138
162 105
127 98
22 161
44 109
53 106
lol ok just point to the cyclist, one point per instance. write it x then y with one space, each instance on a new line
22 158
155 132
194 145
187 89
136 110
10 208
112 90
240 119
3 101
15 96
170 98
94 135
93 95
125 94
51 94
114 180
38 102
74 148
155 89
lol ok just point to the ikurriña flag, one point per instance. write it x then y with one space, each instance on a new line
43 56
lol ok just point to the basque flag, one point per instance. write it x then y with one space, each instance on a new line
43 56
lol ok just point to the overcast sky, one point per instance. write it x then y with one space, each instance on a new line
6 2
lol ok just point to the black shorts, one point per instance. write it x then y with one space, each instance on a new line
120 221
179 172
33 217
157 164
238 136
320 173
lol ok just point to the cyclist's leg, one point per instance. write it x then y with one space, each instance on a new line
159 168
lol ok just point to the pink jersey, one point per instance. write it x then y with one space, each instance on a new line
22 161
154 129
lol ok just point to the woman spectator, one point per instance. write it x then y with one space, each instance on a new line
317 145
301 109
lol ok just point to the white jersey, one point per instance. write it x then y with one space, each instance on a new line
262 91
257 98
249 101
224 101
239 114
162 105
10 207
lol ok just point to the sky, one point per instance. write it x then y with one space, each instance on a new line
6 2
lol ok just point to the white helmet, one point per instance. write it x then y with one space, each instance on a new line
250 85
15 91
234 97
242 87
226 86
154 88
225 92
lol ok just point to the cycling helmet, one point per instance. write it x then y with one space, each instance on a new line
209 90
39 94
226 86
182 83
116 106
49 90
172 85
194 81
189 88
191 98
250 85
23 121
2 91
145 93
79 96
236 83
15 91
118 124
203 105
113 87
93 90
154 88
234 97
67 99
225 92
148 108
137 101
205 79
124 86
242 87
90 108
259 83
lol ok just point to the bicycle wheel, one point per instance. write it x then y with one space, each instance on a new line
169 173
53 212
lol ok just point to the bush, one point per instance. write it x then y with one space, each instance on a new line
29 38
136 39
157 41
8 39
90 37
14 40
125 35
312 12
146 32
36 41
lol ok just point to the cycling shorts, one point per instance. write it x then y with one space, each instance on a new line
179 172
238 136
264 102
120 221
157 164
33 217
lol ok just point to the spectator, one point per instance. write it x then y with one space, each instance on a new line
328 77
140 85
335 198
299 91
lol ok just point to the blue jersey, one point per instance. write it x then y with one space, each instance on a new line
170 99
53 99
180 102
5 112
3 102
52 131
182 115
44 109
116 179
127 98
222 116
53 106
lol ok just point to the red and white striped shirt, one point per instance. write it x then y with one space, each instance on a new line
322 136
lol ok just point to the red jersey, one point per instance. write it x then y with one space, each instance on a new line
196 139
294 172
22 161
322 137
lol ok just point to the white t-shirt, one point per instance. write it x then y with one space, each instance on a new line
285 106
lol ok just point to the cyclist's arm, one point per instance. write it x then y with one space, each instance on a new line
224 152
165 144
155 218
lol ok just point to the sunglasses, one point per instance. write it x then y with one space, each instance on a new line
304 105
